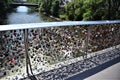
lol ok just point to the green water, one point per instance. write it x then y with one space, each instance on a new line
23 14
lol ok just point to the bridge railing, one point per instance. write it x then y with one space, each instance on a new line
28 49
24 4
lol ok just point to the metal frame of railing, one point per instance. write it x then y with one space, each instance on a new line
25 27
53 24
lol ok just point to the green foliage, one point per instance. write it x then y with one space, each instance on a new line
4 6
93 10
45 6
87 15
63 16
33 1
81 9
50 6
55 8
70 11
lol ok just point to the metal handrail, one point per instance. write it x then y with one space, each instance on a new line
53 24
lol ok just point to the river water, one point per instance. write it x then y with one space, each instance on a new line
23 14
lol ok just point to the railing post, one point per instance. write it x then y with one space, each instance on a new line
28 63
26 49
117 36
87 41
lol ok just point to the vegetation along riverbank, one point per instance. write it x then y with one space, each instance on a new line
80 9
4 8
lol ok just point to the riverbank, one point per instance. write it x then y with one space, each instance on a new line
53 17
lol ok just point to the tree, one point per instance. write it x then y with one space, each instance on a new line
79 10
113 7
4 6
82 9
87 15
55 8
45 6
70 11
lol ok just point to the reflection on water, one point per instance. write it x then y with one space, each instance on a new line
23 14
16 18
22 9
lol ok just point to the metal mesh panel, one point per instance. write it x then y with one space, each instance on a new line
49 46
